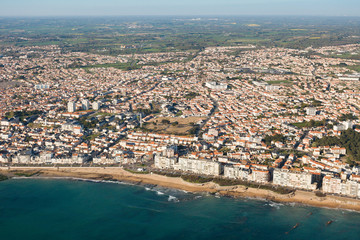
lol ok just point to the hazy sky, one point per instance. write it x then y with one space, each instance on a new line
178 7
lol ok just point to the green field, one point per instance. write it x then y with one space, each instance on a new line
354 68
131 35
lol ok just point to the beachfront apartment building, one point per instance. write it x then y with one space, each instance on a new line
22 159
200 166
331 185
213 167
3 158
336 185
260 176
247 174
104 160
236 172
294 179
47 157
165 162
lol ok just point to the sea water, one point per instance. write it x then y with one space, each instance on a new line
68 209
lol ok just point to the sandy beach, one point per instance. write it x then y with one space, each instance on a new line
116 173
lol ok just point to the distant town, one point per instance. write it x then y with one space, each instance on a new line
268 115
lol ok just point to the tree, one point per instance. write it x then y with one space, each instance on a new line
165 121
348 116
276 138
348 139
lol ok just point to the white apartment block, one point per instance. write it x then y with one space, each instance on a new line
85 104
260 176
22 159
165 162
343 126
96 105
216 86
3 159
311 111
103 160
236 172
272 87
71 107
286 178
337 186
42 86
207 167
48 158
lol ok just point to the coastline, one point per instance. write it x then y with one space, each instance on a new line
119 174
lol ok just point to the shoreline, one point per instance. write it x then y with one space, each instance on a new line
238 191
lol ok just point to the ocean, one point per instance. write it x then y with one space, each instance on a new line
69 209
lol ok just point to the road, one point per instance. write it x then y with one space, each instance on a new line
212 112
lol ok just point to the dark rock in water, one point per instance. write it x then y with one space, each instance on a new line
295 226
329 222
3 177
150 185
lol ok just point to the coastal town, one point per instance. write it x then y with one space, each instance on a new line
273 116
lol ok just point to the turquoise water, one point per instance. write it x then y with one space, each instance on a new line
66 209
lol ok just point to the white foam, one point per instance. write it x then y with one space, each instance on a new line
292 204
77 179
173 199
275 205
18 178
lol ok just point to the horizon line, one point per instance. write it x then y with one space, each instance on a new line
179 15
